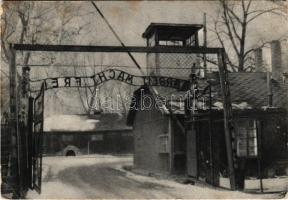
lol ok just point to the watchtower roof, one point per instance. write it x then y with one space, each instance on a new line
168 31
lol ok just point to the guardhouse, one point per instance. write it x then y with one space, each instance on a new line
168 140
166 34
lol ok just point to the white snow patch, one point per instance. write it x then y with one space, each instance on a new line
56 190
241 106
69 123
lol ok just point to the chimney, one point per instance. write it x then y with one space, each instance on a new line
258 54
269 90
276 60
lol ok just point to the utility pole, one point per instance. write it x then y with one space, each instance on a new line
205 43
116 35
227 109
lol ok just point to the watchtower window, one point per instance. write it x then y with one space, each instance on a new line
191 41
161 34
171 43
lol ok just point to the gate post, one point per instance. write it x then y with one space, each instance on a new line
24 131
13 124
30 142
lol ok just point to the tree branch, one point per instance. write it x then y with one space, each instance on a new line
229 31
224 5
223 46
233 27
259 13
248 6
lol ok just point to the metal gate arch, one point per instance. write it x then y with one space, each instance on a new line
38 103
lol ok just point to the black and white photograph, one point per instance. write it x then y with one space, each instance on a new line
184 99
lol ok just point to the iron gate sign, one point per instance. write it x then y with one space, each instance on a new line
110 74
38 139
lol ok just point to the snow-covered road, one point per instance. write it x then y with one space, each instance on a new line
97 176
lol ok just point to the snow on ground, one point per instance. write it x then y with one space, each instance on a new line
101 176
277 184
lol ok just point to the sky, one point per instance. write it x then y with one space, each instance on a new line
130 19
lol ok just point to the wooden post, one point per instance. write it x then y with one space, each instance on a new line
227 109
24 129
171 146
205 43
211 136
269 88
259 153
88 148
30 141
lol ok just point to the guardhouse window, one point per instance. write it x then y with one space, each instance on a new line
163 143
98 137
191 41
167 34
246 137
67 138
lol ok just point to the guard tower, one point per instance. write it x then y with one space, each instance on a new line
172 64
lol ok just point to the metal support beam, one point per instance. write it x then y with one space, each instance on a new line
119 49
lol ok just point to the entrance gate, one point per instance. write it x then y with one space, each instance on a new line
37 139
96 79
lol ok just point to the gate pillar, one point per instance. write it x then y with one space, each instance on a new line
14 170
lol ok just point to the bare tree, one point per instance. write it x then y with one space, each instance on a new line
38 22
231 29
107 97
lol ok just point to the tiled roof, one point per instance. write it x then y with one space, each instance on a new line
252 88
246 87
248 91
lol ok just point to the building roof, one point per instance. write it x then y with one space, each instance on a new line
168 31
252 88
248 91
86 123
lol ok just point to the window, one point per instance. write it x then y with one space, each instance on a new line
127 134
151 41
97 137
163 143
191 41
170 43
67 138
246 137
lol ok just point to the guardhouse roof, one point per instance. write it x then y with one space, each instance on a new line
168 31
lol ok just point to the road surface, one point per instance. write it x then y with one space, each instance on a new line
96 177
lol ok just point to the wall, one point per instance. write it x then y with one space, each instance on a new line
99 142
168 64
218 161
151 63
148 125
274 143
178 147
172 62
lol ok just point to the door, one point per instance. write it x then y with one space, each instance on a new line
192 164
37 139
